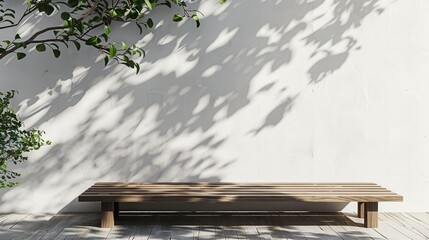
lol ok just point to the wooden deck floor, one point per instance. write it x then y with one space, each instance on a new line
215 226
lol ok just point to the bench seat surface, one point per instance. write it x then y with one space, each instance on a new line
232 192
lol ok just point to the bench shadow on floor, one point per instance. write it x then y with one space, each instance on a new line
237 226
240 219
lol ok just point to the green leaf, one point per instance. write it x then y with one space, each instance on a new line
137 67
73 3
7 42
113 13
130 64
106 38
49 9
168 4
77 44
124 46
149 23
106 60
112 51
149 4
197 20
93 41
107 29
80 27
177 17
56 52
17 36
133 14
65 15
222 1
20 55
41 47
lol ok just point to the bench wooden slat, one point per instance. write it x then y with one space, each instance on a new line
157 184
160 190
241 194
142 190
243 187
299 198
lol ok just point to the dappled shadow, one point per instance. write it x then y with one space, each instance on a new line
199 93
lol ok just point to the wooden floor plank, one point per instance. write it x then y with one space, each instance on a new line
388 231
229 230
367 232
339 224
421 226
3 216
310 231
11 219
409 224
207 229
53 232
268 227
356 229
141 225
326 229
217 226
422 218
162 229
287 227
246 228
30 225
96 233
402 227
78 226
184 227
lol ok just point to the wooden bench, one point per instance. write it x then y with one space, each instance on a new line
110 194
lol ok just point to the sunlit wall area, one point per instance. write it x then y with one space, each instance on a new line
263 91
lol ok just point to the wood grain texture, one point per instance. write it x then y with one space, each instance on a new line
361 209
107 215
371 215
232 192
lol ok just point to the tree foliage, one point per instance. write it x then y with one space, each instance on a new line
80 21
14 141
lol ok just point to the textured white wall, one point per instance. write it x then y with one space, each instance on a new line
264 91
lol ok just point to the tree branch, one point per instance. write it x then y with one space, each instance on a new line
29 41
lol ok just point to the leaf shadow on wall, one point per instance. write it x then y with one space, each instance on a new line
167 123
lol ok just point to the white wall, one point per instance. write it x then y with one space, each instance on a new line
263 91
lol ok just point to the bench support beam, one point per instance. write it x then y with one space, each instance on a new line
107 215
371 215
361 210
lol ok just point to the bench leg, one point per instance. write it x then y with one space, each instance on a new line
361 209
371 215
116 210
107 218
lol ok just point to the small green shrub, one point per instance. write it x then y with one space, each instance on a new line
14 141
